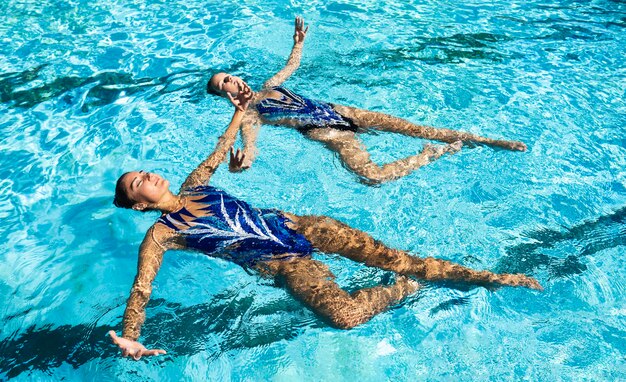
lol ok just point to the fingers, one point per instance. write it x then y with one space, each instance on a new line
235 102
134 349
243 88
243 97
154 352
136 354
239 157
299 24
114 337
140 353
236 158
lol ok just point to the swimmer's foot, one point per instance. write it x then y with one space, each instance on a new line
511 145
518 280
507 145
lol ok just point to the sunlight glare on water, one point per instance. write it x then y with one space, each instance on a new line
90 89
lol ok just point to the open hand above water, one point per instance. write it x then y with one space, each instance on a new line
300 33
133 348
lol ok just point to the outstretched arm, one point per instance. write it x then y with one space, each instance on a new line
205 170
150 258
294 58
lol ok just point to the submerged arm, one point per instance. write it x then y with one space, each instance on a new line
150 258
294 58
249 132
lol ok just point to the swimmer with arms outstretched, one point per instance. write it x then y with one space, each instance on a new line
337 126
274 243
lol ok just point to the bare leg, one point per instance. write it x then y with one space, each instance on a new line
332 236
384 122
357 159
313 283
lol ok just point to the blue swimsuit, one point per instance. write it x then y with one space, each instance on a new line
310 114
233 230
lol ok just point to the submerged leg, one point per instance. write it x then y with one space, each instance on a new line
329 235
384 122
313 283
357 159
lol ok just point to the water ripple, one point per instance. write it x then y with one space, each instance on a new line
109 86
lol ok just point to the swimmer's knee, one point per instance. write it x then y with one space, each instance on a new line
341 320
373 179
346 314
372 174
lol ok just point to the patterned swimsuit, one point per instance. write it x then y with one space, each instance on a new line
229 228
309 114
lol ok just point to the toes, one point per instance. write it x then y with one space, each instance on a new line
518 146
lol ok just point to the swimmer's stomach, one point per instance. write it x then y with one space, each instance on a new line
293 119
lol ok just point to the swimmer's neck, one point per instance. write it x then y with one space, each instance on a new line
170 203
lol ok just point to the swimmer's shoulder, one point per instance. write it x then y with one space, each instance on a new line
165 237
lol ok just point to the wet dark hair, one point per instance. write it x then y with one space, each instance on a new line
121 199
210 90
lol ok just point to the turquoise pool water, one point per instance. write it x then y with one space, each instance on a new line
91 89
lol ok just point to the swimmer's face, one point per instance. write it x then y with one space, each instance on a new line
144 187
225 83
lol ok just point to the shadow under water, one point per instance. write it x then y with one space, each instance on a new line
438 50
103 88
237 322
606 232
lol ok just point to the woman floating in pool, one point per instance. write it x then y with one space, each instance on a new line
275 243
337 126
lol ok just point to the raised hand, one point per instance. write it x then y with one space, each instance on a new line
133 348
236 161
243 97
300 33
